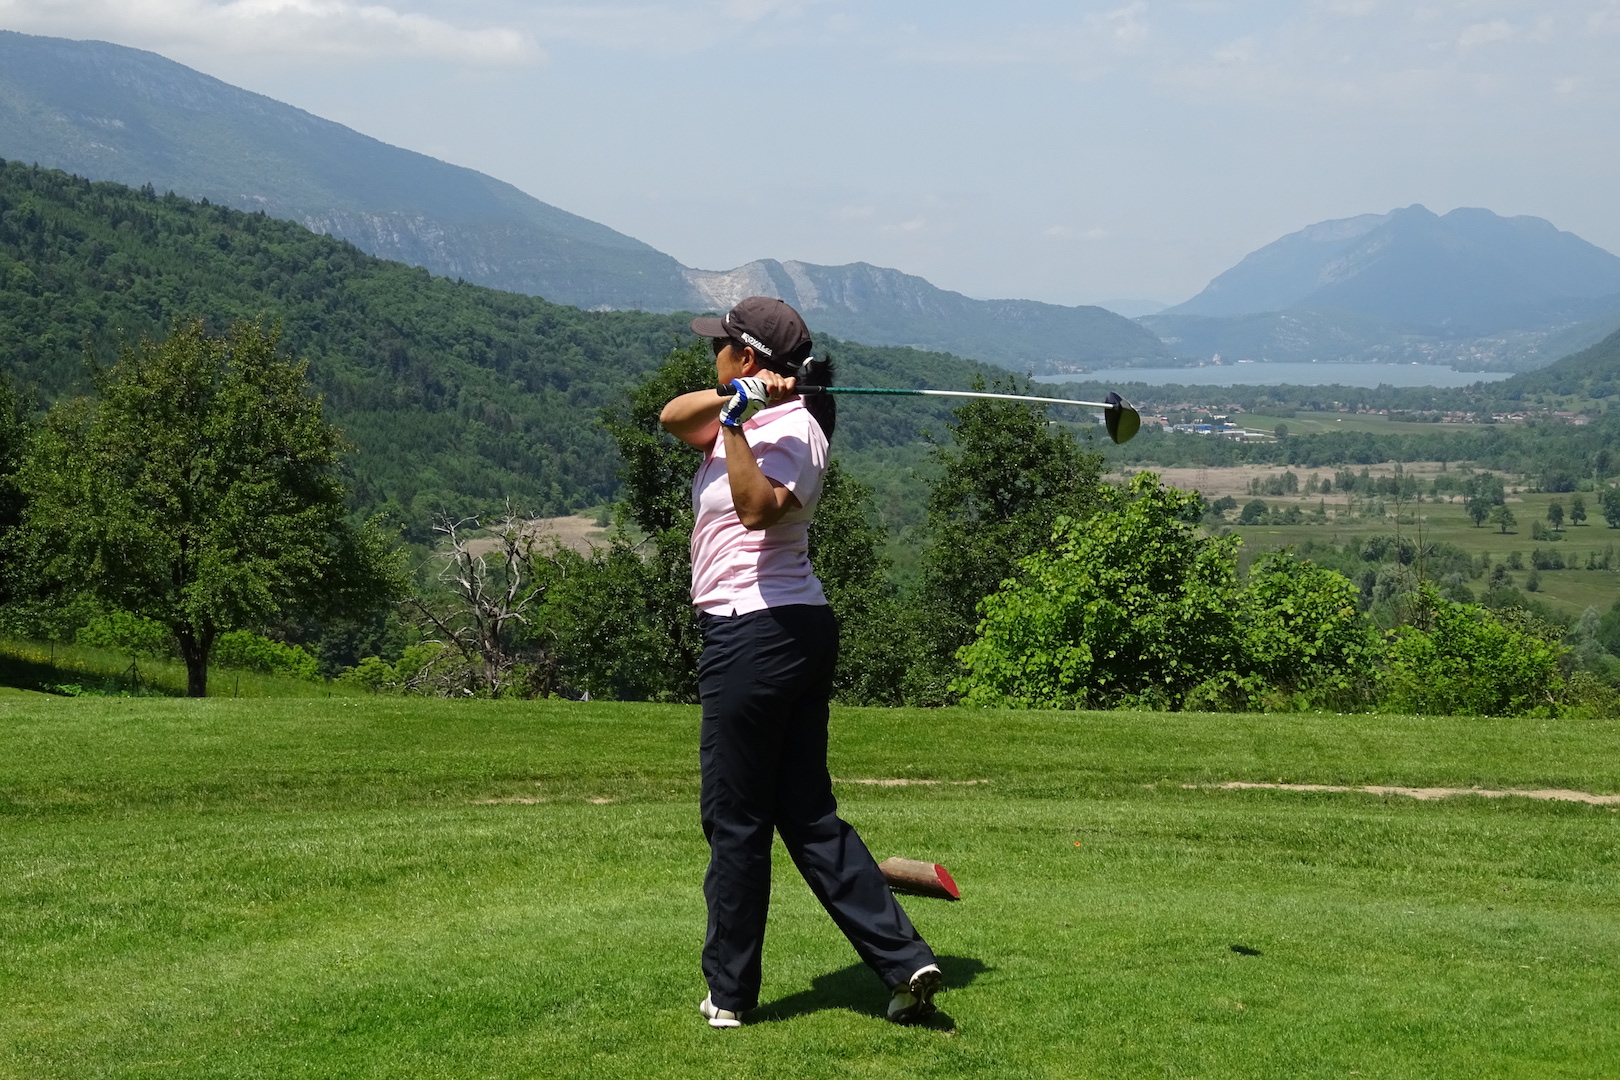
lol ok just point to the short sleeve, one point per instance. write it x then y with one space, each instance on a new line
795 455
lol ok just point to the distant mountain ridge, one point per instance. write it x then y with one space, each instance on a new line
457 397
1468 271
113 113
1406 285
872 303
109 112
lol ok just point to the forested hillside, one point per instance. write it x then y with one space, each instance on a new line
1592 373
456 396
113 113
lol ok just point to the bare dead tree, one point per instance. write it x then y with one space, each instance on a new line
490 604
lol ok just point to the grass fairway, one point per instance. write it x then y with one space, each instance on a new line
406 888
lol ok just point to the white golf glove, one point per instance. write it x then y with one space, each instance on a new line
750 396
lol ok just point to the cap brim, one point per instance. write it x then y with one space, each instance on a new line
709 327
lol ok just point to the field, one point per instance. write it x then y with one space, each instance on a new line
413 888
1315 423
1568 590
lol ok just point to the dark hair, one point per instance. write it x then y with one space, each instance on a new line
824 407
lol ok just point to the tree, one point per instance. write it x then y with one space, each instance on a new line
1132 606
478 630
14 433
657 476
1478 508
846 551
1486 486
1006 480
1577 510
1610 501
1503 516
1302 634
201 490
1459 658
1555 514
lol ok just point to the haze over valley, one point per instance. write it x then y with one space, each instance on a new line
1467 289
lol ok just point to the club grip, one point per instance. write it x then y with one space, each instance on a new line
803 391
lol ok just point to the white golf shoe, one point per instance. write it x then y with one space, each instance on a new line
914 1000
718 1017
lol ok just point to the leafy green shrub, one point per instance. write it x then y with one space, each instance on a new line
128 634
1468 659
252 652
405 675
1303 635
1131 606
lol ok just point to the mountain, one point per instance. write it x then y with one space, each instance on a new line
1469 271
457 397
113 113
881 306
1469 288
1592 372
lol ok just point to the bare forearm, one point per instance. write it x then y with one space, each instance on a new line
759 502
693 418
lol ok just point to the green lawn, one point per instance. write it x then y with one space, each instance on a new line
408 888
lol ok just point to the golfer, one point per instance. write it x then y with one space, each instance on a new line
769 646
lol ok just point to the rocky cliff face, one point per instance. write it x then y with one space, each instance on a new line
879 306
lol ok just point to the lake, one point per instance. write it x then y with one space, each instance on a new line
1292 374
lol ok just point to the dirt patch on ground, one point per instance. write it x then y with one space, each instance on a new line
900 781
1546 794
579 532
530 800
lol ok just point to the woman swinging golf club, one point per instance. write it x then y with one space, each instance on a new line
769 646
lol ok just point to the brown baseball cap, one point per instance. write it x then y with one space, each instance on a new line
777 334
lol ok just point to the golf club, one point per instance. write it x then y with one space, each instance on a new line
1119 418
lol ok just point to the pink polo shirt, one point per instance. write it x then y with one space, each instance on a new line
737 570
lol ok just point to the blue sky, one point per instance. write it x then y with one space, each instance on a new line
1066 152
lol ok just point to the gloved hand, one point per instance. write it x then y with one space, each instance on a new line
750 397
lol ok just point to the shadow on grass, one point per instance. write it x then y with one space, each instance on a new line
856 989
29 673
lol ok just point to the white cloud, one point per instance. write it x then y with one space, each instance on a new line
910 227
1606 19
280 26
1241 51
1064 232
1124 25
1485 33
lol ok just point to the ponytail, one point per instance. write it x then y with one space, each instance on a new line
824 407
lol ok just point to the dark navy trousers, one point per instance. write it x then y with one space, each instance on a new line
765 679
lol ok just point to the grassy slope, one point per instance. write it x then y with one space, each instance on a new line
320 889
41 666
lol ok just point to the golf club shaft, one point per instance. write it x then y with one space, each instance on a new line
725 391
